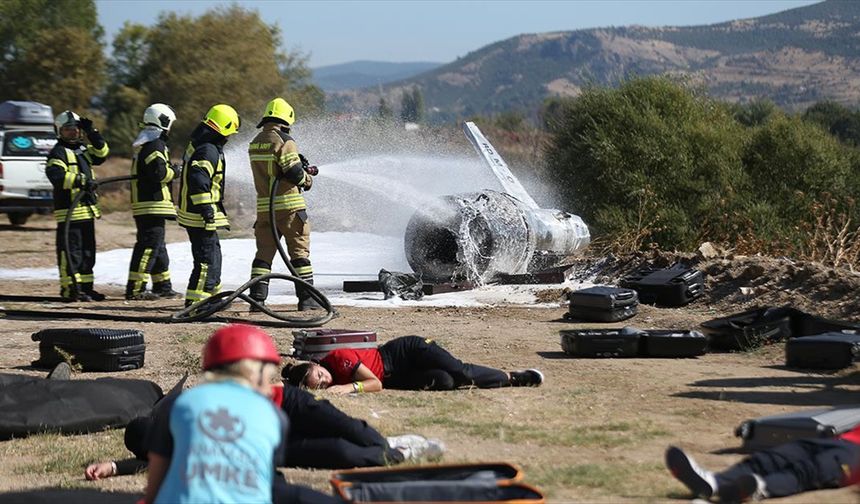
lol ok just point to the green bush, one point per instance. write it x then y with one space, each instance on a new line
651 145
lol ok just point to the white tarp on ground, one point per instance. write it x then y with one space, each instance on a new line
337 256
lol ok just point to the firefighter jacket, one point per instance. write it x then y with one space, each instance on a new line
151 188
273 152
201 189
69 168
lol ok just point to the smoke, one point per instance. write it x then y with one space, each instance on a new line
373 177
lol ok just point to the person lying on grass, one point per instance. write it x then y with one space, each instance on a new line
406 363
788 469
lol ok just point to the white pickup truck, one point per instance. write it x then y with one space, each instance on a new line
26 137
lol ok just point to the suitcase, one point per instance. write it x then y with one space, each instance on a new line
770 431
93 349
749 329
480 482
315 343
675 286
833 350
602 304
601 342
805 324
668 344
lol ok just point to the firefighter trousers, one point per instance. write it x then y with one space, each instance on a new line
149 260
295 228
82 250
205 278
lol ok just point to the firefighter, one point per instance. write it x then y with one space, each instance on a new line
152 205
70 170
201 199
274 153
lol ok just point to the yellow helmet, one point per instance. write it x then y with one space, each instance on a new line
222 118
279 111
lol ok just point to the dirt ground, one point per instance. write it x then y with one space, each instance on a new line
595 432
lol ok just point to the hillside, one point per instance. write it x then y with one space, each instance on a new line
795 58
360 74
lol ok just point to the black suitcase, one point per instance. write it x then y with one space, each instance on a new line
668 344
602 304
93 349
770 431
675 286
601 342
749 329
805 324
833 350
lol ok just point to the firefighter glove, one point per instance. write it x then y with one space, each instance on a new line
177 170
86 125
308 183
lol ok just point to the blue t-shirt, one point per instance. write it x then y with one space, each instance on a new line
223 441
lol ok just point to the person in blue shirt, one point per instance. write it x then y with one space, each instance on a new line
221 441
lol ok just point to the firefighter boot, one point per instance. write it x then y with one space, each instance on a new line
164 290
306 302
259 293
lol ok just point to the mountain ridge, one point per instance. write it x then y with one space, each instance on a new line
793 57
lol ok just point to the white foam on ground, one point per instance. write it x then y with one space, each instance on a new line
336 256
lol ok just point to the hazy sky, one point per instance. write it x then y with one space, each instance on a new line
341 31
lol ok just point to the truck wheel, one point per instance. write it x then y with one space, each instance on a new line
18 218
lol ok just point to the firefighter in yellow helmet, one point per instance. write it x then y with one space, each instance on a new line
274 154
70 170
201 199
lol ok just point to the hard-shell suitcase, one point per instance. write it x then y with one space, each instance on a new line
602 304
482 482
666 343
601 342
833 350
805 324
769 431
315 343
749 329
93 349
675 286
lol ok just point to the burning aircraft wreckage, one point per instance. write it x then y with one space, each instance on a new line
478 237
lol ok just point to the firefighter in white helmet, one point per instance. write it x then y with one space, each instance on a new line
152 205
70 170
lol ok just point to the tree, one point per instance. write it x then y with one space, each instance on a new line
418 104
384 112
754 113
124 99
50 51
839 120
411 105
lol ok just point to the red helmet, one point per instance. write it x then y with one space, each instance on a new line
236 342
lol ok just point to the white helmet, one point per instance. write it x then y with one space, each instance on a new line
66 118
159 115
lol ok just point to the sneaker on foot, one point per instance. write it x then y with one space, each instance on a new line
751 487
413 446
61 371
527 378
700 481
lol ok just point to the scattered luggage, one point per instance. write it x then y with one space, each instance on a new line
770 431
406 286
315 343
601 342
633 342
749 329
496 482
92 349
672 344
602 304
832 350
804 324
675 286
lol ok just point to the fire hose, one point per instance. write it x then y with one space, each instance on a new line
201 311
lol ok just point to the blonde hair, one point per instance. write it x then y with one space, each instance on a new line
248 372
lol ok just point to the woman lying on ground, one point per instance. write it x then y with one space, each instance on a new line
406 363
787 469
320 437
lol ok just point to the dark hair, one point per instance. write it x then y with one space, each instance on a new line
135 436
295 374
